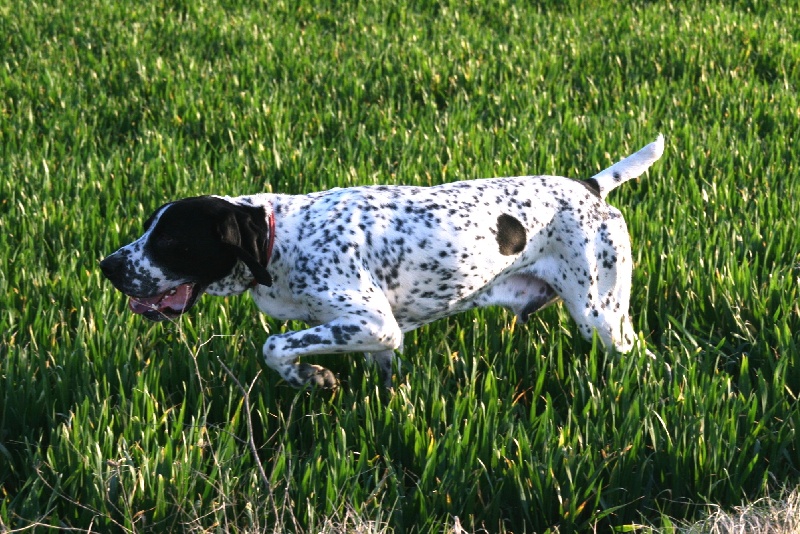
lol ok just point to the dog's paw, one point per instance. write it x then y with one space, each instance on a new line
315 376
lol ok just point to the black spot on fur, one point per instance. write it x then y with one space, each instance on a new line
617 176
511 235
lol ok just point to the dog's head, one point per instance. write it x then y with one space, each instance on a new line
188 247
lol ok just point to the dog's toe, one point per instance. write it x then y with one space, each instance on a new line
316 376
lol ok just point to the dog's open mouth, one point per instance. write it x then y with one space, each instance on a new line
167 305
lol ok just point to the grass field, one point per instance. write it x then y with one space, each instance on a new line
112 423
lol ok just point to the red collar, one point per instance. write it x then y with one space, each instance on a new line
270 242
271 238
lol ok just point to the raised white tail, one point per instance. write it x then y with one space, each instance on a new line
629 168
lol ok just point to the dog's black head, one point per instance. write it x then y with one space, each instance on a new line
202 238
187 246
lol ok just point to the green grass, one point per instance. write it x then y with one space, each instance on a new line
112 423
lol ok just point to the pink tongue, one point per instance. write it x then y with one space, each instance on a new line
176 300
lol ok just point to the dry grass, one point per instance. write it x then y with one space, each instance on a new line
779 515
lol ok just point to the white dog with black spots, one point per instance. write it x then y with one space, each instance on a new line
364 265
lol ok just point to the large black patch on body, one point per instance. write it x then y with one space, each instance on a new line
511 235
202 238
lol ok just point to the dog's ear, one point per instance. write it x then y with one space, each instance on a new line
245 231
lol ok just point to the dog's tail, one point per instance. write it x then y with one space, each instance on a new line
627 169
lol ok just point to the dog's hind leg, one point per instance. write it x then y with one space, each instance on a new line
602 304
614 328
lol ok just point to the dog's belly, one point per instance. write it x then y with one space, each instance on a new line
520 292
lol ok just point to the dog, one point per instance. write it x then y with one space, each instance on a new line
364 265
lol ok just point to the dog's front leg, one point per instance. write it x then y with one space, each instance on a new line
366 332
385 361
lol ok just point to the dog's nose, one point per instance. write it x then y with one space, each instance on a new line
110 265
